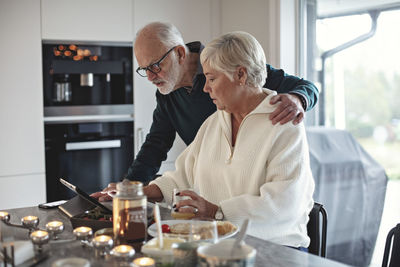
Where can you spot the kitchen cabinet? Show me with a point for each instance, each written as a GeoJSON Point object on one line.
{"type": "Point", "coordinates": [87, 20]}
{"type": "Point", "coordinates": [22, 179]}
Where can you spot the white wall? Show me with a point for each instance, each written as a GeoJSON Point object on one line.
{"type": "Point", "coordinates": [257, 17]}
{"type": "Point", "coordinates": [22, 179]}
{"type": "Point", "coordinates": [272, 23]}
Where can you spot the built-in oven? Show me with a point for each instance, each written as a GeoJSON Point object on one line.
{"type": "Point", "coordinates": [89, 154]}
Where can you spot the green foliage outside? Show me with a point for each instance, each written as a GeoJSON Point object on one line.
{"type": "Point", "coordinates": [369, 74]}
{"type": "Point", "coordinates": [373, 100]}
{"type": "Point", "coordinates": [388, 155]}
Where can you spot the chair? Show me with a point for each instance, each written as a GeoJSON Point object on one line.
{"type": "Point", "coordinates": [395, 255]}
{"type": "Point", "coordinates": [317, 240]}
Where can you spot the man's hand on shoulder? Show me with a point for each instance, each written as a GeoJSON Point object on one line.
{"type": "Point", "coordinates": [289, 109]}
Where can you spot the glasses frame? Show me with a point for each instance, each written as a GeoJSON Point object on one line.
{"type": "Point", "coordinates": [156, 64]}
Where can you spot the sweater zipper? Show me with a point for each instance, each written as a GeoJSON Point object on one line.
{"type": "Point", "coordinates": [229, 160]}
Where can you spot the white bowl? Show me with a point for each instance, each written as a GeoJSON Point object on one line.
{"type": "Point", "coordinates": [164, 255]}
{"type": "Point", "coordinates": [219, 254]}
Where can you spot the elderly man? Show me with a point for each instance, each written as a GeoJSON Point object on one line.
{"type": "Point", "coordinates": [182, 105]}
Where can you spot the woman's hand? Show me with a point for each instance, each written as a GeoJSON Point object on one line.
{"type": "Point", "coordinates": [106, 193]}
{"type": "Point", "coordinates": [152, 192]}
{"type": "Point", "coordinates": [289, 108]}
{"type": "Point", "coordinates": [197, 205]}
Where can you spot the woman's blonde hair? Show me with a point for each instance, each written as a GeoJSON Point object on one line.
{"type": "Point", "coordinates": [235, 49]}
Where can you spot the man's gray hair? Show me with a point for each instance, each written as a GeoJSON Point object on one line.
{"type": "Point", "coordinates": [235, 49]}
{"type": "Point", "coordinates": [166, 32]}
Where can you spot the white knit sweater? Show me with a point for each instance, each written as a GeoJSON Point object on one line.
{"type": "Point", "coordinates": [266, 177]}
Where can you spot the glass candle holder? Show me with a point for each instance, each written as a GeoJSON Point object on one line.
{"type": "Point", "coordinates": [55, 228]}
{"type": "Point", "coordinates": [4, 216]}
{"type": "Point", "coordinates": [102, 245]}
{"type": "Point", "coordinates": [30, 222]}
{"type": "Point", "coordinates": [123, 253]}
{"type": "Point", "coordinates": [83, 233]}
{"type": "Point", "coordinates": [144, 262]}
{"type": "Point", "coordinates": [39, 238]}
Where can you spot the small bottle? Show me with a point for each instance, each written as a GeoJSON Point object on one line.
{"type": "Point", "coordinates": [130, 214]}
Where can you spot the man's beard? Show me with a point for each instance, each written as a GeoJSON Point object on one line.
{"type": "Point", "coordinates": [169, 83]}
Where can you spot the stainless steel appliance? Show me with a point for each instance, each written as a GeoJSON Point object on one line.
{"type": "Point", "coordinates": [88, 115]}
{"type": "Point", "coordinates": [79, 75]}
{"type": "Point", "coordinates": [89, 155]}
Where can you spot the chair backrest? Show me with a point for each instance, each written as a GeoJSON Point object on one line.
{"type": "Point", "coordinates": [317, 236]}
{"type": "Point", "coordinates": [395, 255]}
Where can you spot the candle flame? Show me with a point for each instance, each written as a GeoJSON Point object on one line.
{"type": "Point", "coordinates": [30, 218]}
{"type": "Point", "coordinates": [102, 238]}
{"type": "Point", "coordinates": [40, 233]}
{"type": "Point", "coordinates": [55, 223]}
{"type": "Point", "coordinates": [83, 229]}
{"type": "Point", "coordinates": [144, 261]}
{"type": "Point", "coordinates": [123, 248]}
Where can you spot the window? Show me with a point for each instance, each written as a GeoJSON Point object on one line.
{"type": "Point", "coordinates": [353, 55]}
{"type": "Point", "coordinates": [356, 63]}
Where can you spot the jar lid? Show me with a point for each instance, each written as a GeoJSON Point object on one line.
{"type": "Point", "coordinates": [127, 187]}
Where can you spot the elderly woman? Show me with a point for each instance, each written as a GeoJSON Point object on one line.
{"type": "Point", "coordinates": [240, 166]}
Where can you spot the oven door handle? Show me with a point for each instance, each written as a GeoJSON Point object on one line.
{"type": "Point", "coordinates": [93, 145]}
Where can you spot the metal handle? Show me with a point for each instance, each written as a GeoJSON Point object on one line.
{"type": "Point", "coordinates": [87, 118]}
{"type": "Point", "coordinates": [93, 145]}
{"type": "Point", "coordinates": [140, 139]}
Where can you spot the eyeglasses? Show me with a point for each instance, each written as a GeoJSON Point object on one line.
{"type": "Point", "coordinates": [154, 67]}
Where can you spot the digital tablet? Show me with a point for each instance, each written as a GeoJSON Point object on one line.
{"type": "Point", "coordinates": [84, 195]}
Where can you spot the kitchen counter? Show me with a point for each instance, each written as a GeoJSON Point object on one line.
{"type": "Point", "coordinates": [268, 254]}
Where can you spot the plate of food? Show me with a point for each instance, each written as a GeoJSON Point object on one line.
{"type": "Point", "coordinates": [204, 229]}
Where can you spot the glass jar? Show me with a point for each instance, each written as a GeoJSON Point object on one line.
{"type": "Point", "coordinates": [130, 214]}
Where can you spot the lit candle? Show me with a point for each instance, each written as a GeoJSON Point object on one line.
{"type": "Point", "coordinates": [83, 233]}
{"type": "Point", "coordinates": [4, 216]}
{"type": "Point", "coordinates": [123, 252]}
{"type": "Point", "coordinates": [30, 222]}
{"type": "Point", "coordinates": [144, 262]}
{"type": "Point", "coordinates": [55, 228]}
{"type": "Point", "coordinates": [39, 237]}
{"type": "Point", "coordinates": [102, 244]}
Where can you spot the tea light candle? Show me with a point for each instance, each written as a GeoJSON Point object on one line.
{"type": "Point", "coordinates": [102, 244]}
{"type": "Point", "coordinates": [144, 262]}
{"type": "Point", "coordinates": [55, 228]}
{"type": "Point", "coordinates": [4, 216]}
{"type": "Point", "coordinates": [39, 237]}
{"type": "Point", "coordinates": [83, 233]}
{"type": "Point", "coordinates": [30, 222]}
{"type": "Point", "coordinates": [123, 252]}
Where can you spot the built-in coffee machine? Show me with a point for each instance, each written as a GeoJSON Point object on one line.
{"type": "Point", "coordinates": [88, 115]}
{"type": "Point", "coordinates": [87, 75]}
